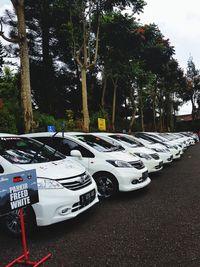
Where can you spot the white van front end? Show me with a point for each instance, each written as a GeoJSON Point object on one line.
{"type": "Point", "coordinates": [129, 171]}
{"type": "Point", "coordinates": [65, 188]}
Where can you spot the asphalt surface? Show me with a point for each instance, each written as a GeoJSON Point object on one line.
{"type": "Point", "coordinates": [158, 226]}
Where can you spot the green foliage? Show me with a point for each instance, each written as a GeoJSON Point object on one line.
{"type": "Point", "coordinates": [94, 119]}
{"type": "Point", "coordinates": [44, 120]}
{"type": "Point", "coordinates": [136, 57]}
{"type": "Point", "coordinates": [10, 113]}
{"type": "Point", "coordinates": [2, 55]}
{"type": "Point", "coordinates": [7, 121]}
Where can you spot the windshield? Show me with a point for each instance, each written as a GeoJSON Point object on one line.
{"type": "Point", "coordinates": [21, 150]}
{"type": "Point", "coordinates": [166, 136]}
{"type": "Point", "coordinates": [148, 142]}
{"type": "Point", "coordinates": [126, 140]}
{"type": "Point", "coordinates": [158, 138]}
{"type": "Point", "coordinates": [97, 143]}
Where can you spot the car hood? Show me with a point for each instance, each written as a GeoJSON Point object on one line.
{"type": "Point", "coordinates": [121, 155]}
{"type": "Point", "coordinates": [144, 150]}
{"type": "Point", "coordinates": [156, 145]}
{"type": "Point", "coordinates": [55, 169]}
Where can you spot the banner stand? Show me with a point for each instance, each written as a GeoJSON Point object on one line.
{"type": "Point", "coordinates": [24, 258]}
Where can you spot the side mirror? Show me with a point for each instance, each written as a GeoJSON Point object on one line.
{"type": "Point", "coordinates": [76, 153]}
{"type": "Point", "coordinates": [1, 169]}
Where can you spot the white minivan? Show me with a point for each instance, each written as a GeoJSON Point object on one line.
{"type": "Point", "coordinates": [149, 157]}
{"type": "Point", "coordinates": [65, 188]}
{"type": "Point", "coordinates": [112, 169]}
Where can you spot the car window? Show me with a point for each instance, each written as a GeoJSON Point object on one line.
{"type": "Point", "coordinates": [65, 146]}
{"type": "Point", "coordinates": [75, 146]}
{"type": "Point", "coordinates": [97, 143]}
{"type": "Point", "coordinates": [1, 169]}
{"type": "Point", "coordinates": [54, 142]}
{"type": "Point", "coordinates": [22, 150]}
{"type": "Point", "coordinates": [126, 140]}
{"type": "Point", "coordinates": [148, 138]}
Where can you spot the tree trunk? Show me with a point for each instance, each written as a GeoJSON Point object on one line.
{"type": "Point", "coordinates": [193, 108]}
{"type": "Point", "coordinates": [161, 122]}
{"type": "Point", "coordinates": [47, 68]}
{"type": "Point", "coordinates": [103, 91]}
{"type": "Point", "coordinates": [154, 106]}
{"type": "Point", "coordinates": [172, 122]}
{"type": "Point", "coordinates": [86, 118]}
{"type": "Point", "coordinates": [141, 110]}
{"type": "Point", "coordinates": [132, 121]}
{"type": "Point", "coordinates": [24, 65]}
{"type": "Point", "coordinates": [134, 108]}
{"type": "Point", "coordinates": [161, 128]}
{"type": "Point", "coordinates": [114, 104]}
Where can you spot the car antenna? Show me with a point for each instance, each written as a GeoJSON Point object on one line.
{"type": "Point", "coordinates": [62, 130]}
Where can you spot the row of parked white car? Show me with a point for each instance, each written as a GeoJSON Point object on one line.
{"type": "Point", "coordinates": [75, 169]}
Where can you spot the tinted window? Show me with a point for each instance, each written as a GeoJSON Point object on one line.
{"type": "Point", "coordinates": [22, 150]}
{"type": "Point", "coordinates": [126, 140]}
{"type": "Point", "coordinates": [54, 142]}
{"type": "Point", "coordinates": [97, 143]}
{"type": "Point", "coordinates": [1, 169]}
{"type": "Point", "coordinates": [65, 145]}
{"type": "Point", "coordinates": [145, 137]}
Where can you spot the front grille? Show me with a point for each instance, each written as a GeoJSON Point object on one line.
{"type": "Point", "coordinates": [170, 159]}
{"type": "Point", "coordinates": [83, 203]}
{"type": "Point", "coordinates": [155, 156]}
{"type": "Point", "coordinates": [159, 166]}
{"type": "Point", "coordinates": [145, 175]}
{"type": "Point", "coordinates": [137, 164]}
{"type": "Point", "coordinates": [141, 179]}
{"type": "Point", "coordinates": [77, 182]}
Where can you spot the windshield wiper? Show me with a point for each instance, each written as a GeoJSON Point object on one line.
{"type": "Point", "coordinates": [37, 153]}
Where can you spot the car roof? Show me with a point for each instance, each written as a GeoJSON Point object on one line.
{"type": "Point", "coordinates": [38, 134]}
{"type": "Point", "coordinates": [60, 134]}
{"type": "Point", "coordinates": [7, 134]}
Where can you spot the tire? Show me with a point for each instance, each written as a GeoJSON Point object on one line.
{"type": "Point", "coordinates": [106, 184]}
{"type": "Point", "coordinates": [12, 223]}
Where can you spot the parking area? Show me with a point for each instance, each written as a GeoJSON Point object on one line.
{"type": "Point", "coordinates": [156, 226]}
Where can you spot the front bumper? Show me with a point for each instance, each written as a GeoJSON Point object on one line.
{"type": "Point", "coordinates": [56, 205]}
{"type": "Point", "coordinates": [132, 179]}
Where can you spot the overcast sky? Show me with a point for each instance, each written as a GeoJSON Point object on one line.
{"type": "Point", "coordinates": [178, 20]}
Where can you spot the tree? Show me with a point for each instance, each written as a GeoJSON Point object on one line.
{"type": "Point", "coordinates": [50, 56]}
{"type": "Point", "coordinates": [118, 48]}
{"type": "Point", "coordinates": [21, 40]}
{"type": "Point", "coordinates": [86, 48]}
{"type": "Point", "coordinates": [9, 102]}
{"type": "Point", "coordinates": [193, 86]}
{"type": "Point", "coordinates": [156, 53]}
{"type": "Point", "coordinates": [2, 55]}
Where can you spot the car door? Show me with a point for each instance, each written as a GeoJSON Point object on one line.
{"type": "Point", "coordinates": [66, 145]}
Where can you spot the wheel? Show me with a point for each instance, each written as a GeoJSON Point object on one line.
{"type": "Point", "coordinates": [106, 184]}
{"type": "Point", "coordinates": [12, 221]}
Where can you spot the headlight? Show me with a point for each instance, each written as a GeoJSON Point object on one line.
{"type": "Point", "coordinates": [44, 183]}
{"type": "Point", "coordinates": [159, 150]}
{"type": "Point", "coordinates": [120, 163]}
{"type": "Point", "coordinates": [144, 156]}
{"type": "Point", "coordinates": [168, 146]}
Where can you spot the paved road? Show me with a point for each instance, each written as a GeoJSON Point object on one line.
{"type": "Point", "coordinates": [155, 227]}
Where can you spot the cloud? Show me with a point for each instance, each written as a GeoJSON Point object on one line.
{"type": "Point", "coordinates": [4, 7]}
{"type": "Point", "coordinates": [2, 13]}
{"type": "Point", "coordinates": [179, 21]}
